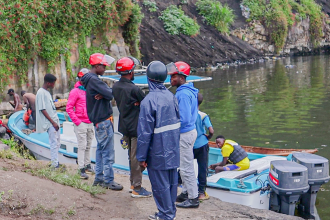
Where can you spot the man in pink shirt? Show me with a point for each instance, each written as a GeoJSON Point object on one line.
{"type": "Point", "coordinates": [83, 127]}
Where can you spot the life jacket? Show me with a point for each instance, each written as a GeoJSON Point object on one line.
{"type": "Point", "coordinates": [26, 117]}
{"type": "Point", "coordinates": [238, 154]}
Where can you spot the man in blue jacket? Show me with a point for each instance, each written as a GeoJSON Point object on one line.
{"type": "Point", "coordinates": [99, 110]}
{"type": "Point", "coordinates": [158, 141]}
{"type": "Point", "coordinates": [186, 94]}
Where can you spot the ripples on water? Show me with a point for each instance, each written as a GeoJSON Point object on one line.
{"type": "Point", "coordinates": [269, 105]}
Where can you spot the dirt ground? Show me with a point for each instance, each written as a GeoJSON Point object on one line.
{"type": "Point", "coordinates": [30, 197]}
{"type": "Point", "coordinates": [208, 47]}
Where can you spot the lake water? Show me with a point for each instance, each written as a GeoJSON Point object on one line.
{"type": "Point", "coordinates": [269, 105]}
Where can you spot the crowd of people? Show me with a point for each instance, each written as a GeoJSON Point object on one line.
{"type": "Point", "coordinates": [163, 132]}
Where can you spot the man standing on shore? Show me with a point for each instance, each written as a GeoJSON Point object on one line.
{"type": "Point", "coordinates": [99, 110]}
{"type": "Point", "coordinates": [158, 141]}
{"type": "Point", "coordinates": [46, 117]}
{"type": "Point", "coordinates": [17, 105]}
{"type": "Point", "coordinates": [186, 94]}
{"type": "Point", "coordinates": [128, 98]}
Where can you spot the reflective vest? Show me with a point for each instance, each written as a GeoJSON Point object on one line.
{"type": "Point", "coordinates": [238, 154]}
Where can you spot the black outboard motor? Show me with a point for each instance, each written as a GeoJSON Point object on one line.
{"type": "Point", "coordinates": [288, 181]}
{"type": "Point", "coordinates": [318, 174]}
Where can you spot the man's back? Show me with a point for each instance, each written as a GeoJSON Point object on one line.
{"type": "Point", "coordinates": [128, 97]}
{"type": "Point", "coordinates": [158, 129]}
{"type": "Point", "coordinates": [31, 98]}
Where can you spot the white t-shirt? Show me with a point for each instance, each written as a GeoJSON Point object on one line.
{"type": "Point", "coordinates": [44, 101]}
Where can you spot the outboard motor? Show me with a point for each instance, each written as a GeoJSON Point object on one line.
{"type": "Point", "coordinates": [318, 174]}
{"type": "Point", "coordinates": [288, 181]}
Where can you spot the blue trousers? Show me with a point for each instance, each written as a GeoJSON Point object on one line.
{"type": "Point", "coordinates": [202, 156]}
{"type": "Point", "coordinates": [164, 185]}
{"type": "Point", "coordinates": [105, 152]}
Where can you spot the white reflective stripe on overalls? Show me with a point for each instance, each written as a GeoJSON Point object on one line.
{"type": "Point", "coordinates": [167, 128]}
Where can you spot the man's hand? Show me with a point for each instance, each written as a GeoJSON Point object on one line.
{"type": "Point", "coordinates": [98, 97]}
{"type": "Point", "coordinates": [213, 166]}
{"type": "Point", "coordinates": [143, 164]}
{"type": "Point", "coordinates": [55, 126]}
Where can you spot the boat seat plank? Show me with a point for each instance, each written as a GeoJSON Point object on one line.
{"type": "Point", "coordinates": [256, 167]}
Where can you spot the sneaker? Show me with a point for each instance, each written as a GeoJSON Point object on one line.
{"type": "Point", "coordinates": [98, 183]}
{"type": "Point", "coordinates": [189, 203]}
{"type": "Point", "coordinates": [113, 186]}
{"type": "Point", "coordinates": [154, 217]}
{"type": "Point", "coordinates": [203, 196]}
{"type": "Point", "coordinates": [83, 174]}
{"type": "Point", "coordinates": [182, 197]}
{"type": "Point", "coordinates": [89, 169]}
{"type": "Point", "coordinates": [131, 189]}
{"type": "Point", "coordinates": [141, 193]}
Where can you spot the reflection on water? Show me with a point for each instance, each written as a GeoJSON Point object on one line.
{"type": "Point", "coordinates": [269, 105]}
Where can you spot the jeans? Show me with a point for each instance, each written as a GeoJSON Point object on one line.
{"type": "Point", "coordinates": [134, 165]}
{"type": "Point", "coordinates": [84, 133]}
{"type": "Point", "coordinates": [105, 152]}
{"type": "Point", "coordinates": [187, 172]}
{"type": "Point", "coordinates": [54, 143]}
{"type": "Point", "coordinates": [164, 185]}
{"type": "Point", "coordinates": [202, 156]}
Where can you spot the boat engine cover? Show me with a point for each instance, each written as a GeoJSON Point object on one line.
{"type": "Point", "coordinates": [288, 178]}
{"type": "Point", "coordinates": [318, 167]}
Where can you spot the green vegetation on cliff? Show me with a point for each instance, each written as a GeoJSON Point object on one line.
{"type": "Point", "coordinates": [45, 28]}
{"type": "Point", "coordinates": [279, 15]}
{"type": "Point", "coordinates": [221, 17]}
{"type": "Point", "coordinates": [176, 22]}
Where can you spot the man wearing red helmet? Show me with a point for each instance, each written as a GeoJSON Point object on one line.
{"type": "Point", "coordinates": [128, 97]}
{"type": "Point", "coordinates": [99, 110]}
{"type": "Point", "coordinates": [186, 94]}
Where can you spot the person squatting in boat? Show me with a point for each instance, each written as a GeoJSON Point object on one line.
{"type": "Point", "coordinates": [234, 156]}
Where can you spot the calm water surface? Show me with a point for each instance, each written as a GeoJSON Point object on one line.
{"type": "Point", "coordinates": [269, 105]}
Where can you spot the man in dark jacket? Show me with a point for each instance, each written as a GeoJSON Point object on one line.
{"type": "Point", "coordinates": [158, 141]}
{"type": "Point", "coordinates": [128, 98]}
{"type": "Point", "coordinates": [99, 110]}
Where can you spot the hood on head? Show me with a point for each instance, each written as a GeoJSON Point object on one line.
{"type": "Point", "coordinates": [77, 84]}
{"type": "Point", "coordinates": [189, 86]}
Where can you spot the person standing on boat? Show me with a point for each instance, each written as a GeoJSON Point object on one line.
{"type": "Point", "coordinates": [46, 117]}
{"type": "Point", "coordinates": [83, 127]}
{"type": "Point", "coordinates": [17, 105]}
{"type": "Point", "coordinates": [30, 100]}
{"type": "Point", "coordinates": [99, 110]}
{"type": "Point", "coordinates": [158, 141]}
{"type": "Point", "coordinates": [186, 94]}
{"type": "Point", "coordinates": [234, 156]}
{"type": "Point", "coordinates": [128, 98]}
{"type": "Point", "coordinates": [201, 148]}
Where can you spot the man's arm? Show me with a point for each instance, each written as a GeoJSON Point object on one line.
{"type": "Point", "coordinates": [207, 123]}
{"type": "Point", "coordinates": [185, 110]}
{"type": "Point", "coordinates": [26, 101]}
{"type": "Point", "coordinates": [101, 88]}
{"type": "Point", "coordinates": [49, 119]}
{"type": "Point", "coordinates": [145, 131]}
{"type": "Point", "coordinates": [16, 98]}
{"type": "Point", "coordinates": [73, 97]}
{"type": "Point", "coordinates": [139, 94]}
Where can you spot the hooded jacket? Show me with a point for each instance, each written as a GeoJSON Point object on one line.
{"type": "Point", "coordinates": [77, 100]}
{"type": "Point", "coordinates": [159, 129]}
{"type": "Point", "coordinates": [188, 105]}
{"type": "Point", "coordinates": [97, 110]}
{"type": "Point", "coordinates": [127, 95]}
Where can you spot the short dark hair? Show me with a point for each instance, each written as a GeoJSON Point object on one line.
{"type": "Point", "coordinates": [199, 98]}
{"type": "Point", "coordinates": [23, 92]}
{"type": "Point", "coordinates": [50, 78]}
{"type": "Point", "coordinates": [220, 137]}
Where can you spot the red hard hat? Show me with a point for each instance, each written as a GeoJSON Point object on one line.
{"type": "Point", "coordinates": [125, 65]}
{"type": "Point", "coordinates": [178, 68]}
{"type": "Point", "coordinates": [98, 58]}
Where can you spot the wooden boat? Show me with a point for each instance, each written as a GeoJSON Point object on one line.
{"type": "Point", "coordinates": [270, 151]}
